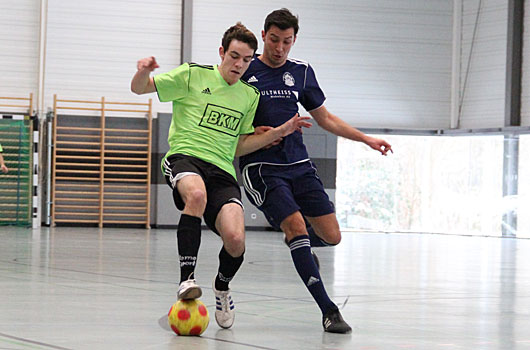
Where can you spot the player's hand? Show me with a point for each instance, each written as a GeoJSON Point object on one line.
{"type": "Point", "coordinates": [148, 63]}
{"type": "Point", "coordinates": [263, 129]}
{"type": "Point", "coordinates": [300, 130]}
{"type": "Point", "coordinates": [379, 145]}
{"type": "Point", "coordinates": [296, 123]}
{"type": "Point", "coordinates": [4, 169]}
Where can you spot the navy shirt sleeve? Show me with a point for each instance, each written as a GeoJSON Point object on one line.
{"type": "Point", "coordinates": [312, 97]}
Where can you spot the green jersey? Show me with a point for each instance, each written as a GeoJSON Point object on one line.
{"type": "Point", "coordinates": [208, 114]}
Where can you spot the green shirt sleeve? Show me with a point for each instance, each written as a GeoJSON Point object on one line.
{"type": "Point", "coordinates": [247, 127]}
{"type": "Point", "coordinates": [1, 149]}
{"type": "Point", "coordinates": [173, 85]}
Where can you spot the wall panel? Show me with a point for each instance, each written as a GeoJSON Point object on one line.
{"type": "Point", "coordinates": [380, 63]}
{"type": "Point", "coordinates": [484, 92]}
{"type": "Point", "coordinates": [19, 47]}
{"type": "Point", "coordinates": [93, 46]}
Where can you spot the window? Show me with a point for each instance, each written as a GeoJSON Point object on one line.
{"type": "Point", "coordinates": [523, 200]}
{"type": "Point", "coordinates": [431, 184]}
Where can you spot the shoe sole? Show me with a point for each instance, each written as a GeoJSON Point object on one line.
{"type": "Point", "coordinates": [190, 293]}
{"type": "Point", "coordinates": [223, 326]}
{"type": "Point", "coordinates": [339, 331]}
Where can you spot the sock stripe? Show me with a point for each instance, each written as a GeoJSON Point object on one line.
{"type": "Point", "coordinates": [300, 243]}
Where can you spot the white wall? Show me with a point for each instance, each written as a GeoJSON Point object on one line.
{"type": "Point", "coordinates": [19, 47]}
{"type": "Point", "coordinates": [484, 94]}
{"type": "Point", "coordinates": [93, 46]}
{"type": "Point", "coordinates": [381, 64]}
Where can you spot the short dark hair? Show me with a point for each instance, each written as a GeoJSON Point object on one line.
{"type": "Point", "coordinates": [283, 19]}
{"type": "Point", "coordinates": [241, 33]}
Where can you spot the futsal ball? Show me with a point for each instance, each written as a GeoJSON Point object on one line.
{"type": "Point", "coordinates": [188, 317]}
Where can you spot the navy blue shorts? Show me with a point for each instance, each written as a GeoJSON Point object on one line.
{"type": "Point", "coordinates": [281, 190]}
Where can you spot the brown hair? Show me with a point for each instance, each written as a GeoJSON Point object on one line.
{"type": "Point", "coordinates": [283, 19]}
{"type": "Point", "coordinates": [241, 33]}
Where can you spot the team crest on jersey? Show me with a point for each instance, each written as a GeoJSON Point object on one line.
{"type": "Point", "coordinates": [221, 119]}
{"type": "Point", "coordinates": [288, 79]}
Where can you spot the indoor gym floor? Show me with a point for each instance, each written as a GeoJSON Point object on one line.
{"type": "Point", "coordinates": [89, 288]}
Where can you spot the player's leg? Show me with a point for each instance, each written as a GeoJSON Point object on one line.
{"type": "Point", "coordinates": [313, 238]}
{"type": "Point", "coordinates": [310, 195]}
{"type": "Point", "coordinates": [328, 240]}
{"type": "Point", "coordinates": [294, 228]}
{"type": "Point", "coordinates": [269, 188]}
{"type": "Point", "coordinates": [326, 230]}
{"type": "Point", "coordinates": [281, 207]}
{"type": "Point", "coordinates": [224, 215]}
{"type": "Point", "coordinates": [316, 207]}
{"type": "Point", "coordinates": [189, 195]}
{"type": "Point", "coordinates": [230, 224]}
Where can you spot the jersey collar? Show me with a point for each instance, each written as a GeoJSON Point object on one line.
{"type": "Point", "coordinates": [221, 79]}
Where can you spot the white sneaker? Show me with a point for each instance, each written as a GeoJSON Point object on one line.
{"type": "Point", "coordinates": [224, 308]}
{"type": "Point", "coordinates": [189, 290]}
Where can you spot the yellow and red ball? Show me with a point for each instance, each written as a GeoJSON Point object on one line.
{"type": "Point", "coordinates": [188, 317]}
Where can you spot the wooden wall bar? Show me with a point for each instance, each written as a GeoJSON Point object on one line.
{"type": "Point", "coordinates": [101, 175]}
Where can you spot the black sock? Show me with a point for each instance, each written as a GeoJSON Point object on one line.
{"type": "Point", "coordinates": [308, 271]}
{"type": "Point", "coordinates": [228, 266]}
{"type": "Point", "coordinates": [188, 242]}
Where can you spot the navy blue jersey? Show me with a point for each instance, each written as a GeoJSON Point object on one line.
{"type": "Point", "coordinates": [280, 91]}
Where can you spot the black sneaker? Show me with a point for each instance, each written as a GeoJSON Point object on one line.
{"type": "Point", "coordinates": [315, 257]}
{"type": "Point", "coordinates": [334, 323]}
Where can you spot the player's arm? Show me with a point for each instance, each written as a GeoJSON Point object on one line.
{"type": "Point", "coordinates": [142, 82]}
{"type": "Point", "coordinates": [263, 128]}
{"type": "Point", "coordinates": [3, 166]}
{"type": "Point", "coordinates": [252, 142]}
{"type": "Point", "coordinates": [330, 122]}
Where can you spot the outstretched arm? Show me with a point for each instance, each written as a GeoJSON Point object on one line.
{"type": "Point", "coordinates": [142, 83]}
{"type": "Point", "coordinates": [250, 143]}
{"type": "Point", "coordinates": [330, 122]}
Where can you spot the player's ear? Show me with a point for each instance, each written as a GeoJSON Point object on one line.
{"type": "Point", "coordinates": [221, 53]}
{"type": "Point", "coordinates": [263, 35]}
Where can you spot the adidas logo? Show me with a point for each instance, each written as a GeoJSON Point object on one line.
{"type": "Point", "coordinates": [312, 280]}
{"type": "Point", "coordinates": [252, 79]}
{"type": "Point", "coordinates": [206, 91]}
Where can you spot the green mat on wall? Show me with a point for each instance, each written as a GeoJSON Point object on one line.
{"type": "Point", "coordinates": [16, 185]}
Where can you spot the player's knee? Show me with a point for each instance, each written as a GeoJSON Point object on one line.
{"type": "Point", "coordinates": [234, 242]}
{"type": "Point", "coordinates": [331, 238]}
{"type": "Point", "coordinates": [293, 228]}
{"type": "Point", "coordinates": [334, 239]}
{"type": "Point", "coordinates": [196, 199]}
